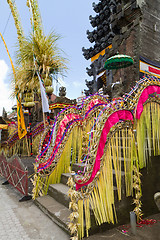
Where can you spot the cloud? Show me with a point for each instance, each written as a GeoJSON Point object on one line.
{"type": "Point", "coordinates": [77, 84]}
{"type": "Point", "coordinates": [4, 88]}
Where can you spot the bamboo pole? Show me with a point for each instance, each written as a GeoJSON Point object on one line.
{"type": "Point", "coordinates": [27, 146]}
{"type": "Point", "coordinates": [44, 120]}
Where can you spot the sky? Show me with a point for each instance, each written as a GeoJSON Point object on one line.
{"type": "Point", "coordinates": [69, 19]}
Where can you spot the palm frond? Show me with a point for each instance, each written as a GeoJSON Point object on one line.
{"type": "Point", "coordinates": [41, 53]}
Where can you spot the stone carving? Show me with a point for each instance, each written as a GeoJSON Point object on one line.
{"type": "Point", "coordinates": [62, 91]}
{"type": "Point", "coordinates": [4, 113]}
{"type": "Point", "coordinates": [89, 71]}
{"type": "Point", "coordinates": [114, 90]}
{"type": "Point", "coordinates": [107, 91]}
{"type": "Point", "coordinates": [117, 90]}
{"type": "Point", "coordinates": [90, 85]}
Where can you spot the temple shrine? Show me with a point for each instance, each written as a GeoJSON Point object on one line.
{"type": "Point", "coordinates": [122, 27]}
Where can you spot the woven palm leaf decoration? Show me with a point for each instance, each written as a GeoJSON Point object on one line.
{"type": "Point", "coordinates": [102, 135]}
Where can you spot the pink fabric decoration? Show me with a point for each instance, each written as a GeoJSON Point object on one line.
{"type": "Point", "coordinates": [68, 118]}
{"type": "Point", "coordinates": [111, 121]}
{"type": "Point", "coordinates": [94, 102]}
{"type": "Point", "coordinates": [143, 98]}
{"type": "Point", "coordinates": [63, 124]}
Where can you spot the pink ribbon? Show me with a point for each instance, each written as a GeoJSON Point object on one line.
{"type": "Point", "coordinates": [143, 98]}
{"type": "Point", "coordinates": [94, 102]}
{"type": "Point", "coordinates": [111, 121]}
{"type": "Point", "coordinates": [63, 124]}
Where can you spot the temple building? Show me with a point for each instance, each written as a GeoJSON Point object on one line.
{"type": "Point", "coordinates": [130, 27]}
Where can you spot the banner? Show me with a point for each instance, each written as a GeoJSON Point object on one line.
{"type": "Point", "coordinates": [45, 105]}
{"type": "Point", "coordinates": [20, 119]}
{"type": "Point", "coordinates": [149, 67]}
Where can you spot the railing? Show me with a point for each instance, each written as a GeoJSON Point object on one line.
{"type": "Point", "coordinates": [15, 173]}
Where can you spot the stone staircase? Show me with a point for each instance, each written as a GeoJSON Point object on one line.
{"type": "Point", "coordinates": [56, 203]}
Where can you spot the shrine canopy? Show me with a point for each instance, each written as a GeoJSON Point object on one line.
{"type": "Point", "coordinates": [118, 61]}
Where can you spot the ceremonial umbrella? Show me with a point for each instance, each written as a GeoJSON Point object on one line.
{"type": "Point", "coordinates": [118, 61]}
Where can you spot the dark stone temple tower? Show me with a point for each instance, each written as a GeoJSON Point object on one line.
{"type": "Point", "coordinates": [130, 27]}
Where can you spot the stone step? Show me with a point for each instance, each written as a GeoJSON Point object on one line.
{"type": "Point", "coordinates": [57, 212]}
{"type": "Point", "coordinates": [122, 177]}
{"type": "Point", "coordinates": [119, 172]}
{"type": "Point", "coordinates": [65, 177]}
{"type": "Point", "coordinates": [59, 192]}
{"type": "Point", "coordinates": [122, 159]}
{"type": "Point", "coordinates": [78, 167]}
{"type": "Point", "coordinates": [114, 188]}
{"type": "Point", "coordinates": [127, 160]}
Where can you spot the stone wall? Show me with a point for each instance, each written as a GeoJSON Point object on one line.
{"type": "Point", "coordinates": [129, 45]}
{"type": "Point", "coordinates": [127, 42]}
{"type": "Point", "coordinates": [150, 30]}
{"type": "Point", "coordinates": [150, 185]}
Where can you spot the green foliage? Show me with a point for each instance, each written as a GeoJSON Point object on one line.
{"type": "Point", "coordinates": [38, 53]}
{"type": "Point", "coordinates": [35, 52]}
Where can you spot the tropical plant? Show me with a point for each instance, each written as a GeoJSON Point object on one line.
{"type": "Point", "coordinates": [36, 52]}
